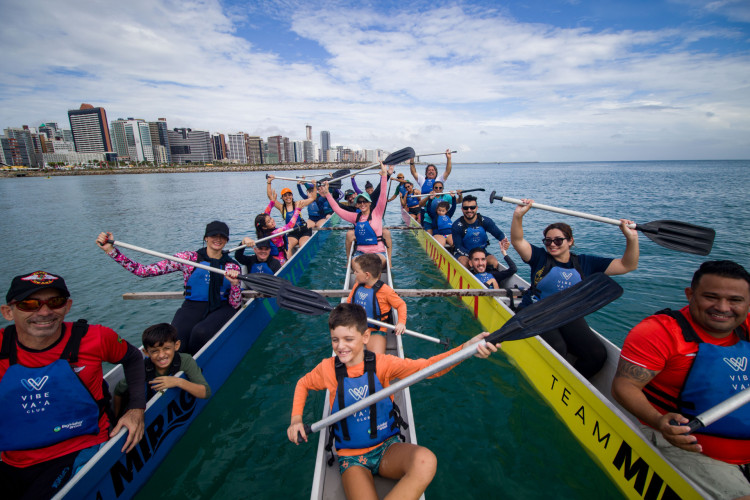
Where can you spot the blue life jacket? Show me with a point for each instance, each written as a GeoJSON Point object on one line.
{"type": "Point", "coordinates": [313, 210]}
{"type": "Point", "coordinates": [364, 234]}
{"type": "Point", "coordinates": [45, 405]}
{"type": "Point", "coordinates": [288, 217]}
{"type": "Point", "coordinates": [411, 200]}
{"type": "Point", "coordinates": [261, 267]}
{"type": "Point", "coordinates": [552, 278]}
{"type": "Point", "coordinates": [475, 237]}
{"type": "Point", "coordinates": [427, 186]}
{"type": "Point", "coordinates": [484, 278]}
{"type": "Point", "coordinates": [368, 427]}
{"type": "Point", "coordinates": [443, 225]}
{"type": "Point", "coordinates": [717, 373]}
{"type": "Point", "coordinates": [433, 207]}
{"type": "Point", "coordinates": [325, 207]}
{"type": "Point", "coordinates": [367, 298]}
{"type": "Point", "coordinates": [196, 288]}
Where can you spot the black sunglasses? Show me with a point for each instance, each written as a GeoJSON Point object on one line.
{"type": "Point", "coordinates": [464, 207]}
{"type": "Point", "coordinates": [557, 241]}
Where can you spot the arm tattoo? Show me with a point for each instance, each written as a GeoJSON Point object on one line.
{"type": "Point", "coordinates": [633, 372]}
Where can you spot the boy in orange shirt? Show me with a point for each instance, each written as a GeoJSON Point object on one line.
{"type": "Point", "coordinates": [367, 268]}
{"type": "Point", "coordinates": [366, 448]}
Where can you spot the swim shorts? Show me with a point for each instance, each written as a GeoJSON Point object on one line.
{"type": "Point", "coordinates": [370, 460]}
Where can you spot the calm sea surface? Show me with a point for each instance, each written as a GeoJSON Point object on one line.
{"type": "Point", "coordinates": [492, 434]}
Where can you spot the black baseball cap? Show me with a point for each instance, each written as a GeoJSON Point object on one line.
{"type": "Point", "coordinates": [217, 227]}
{"type": "Point", "coordinates": [24, 285]}
{"type": "Point", "coordinates": [263, 244]}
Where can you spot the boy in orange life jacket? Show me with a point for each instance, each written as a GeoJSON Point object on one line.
{"type": "Point", "coordinates": [367, 268]}
{"type": "Point", "coordinates": [361, 452]}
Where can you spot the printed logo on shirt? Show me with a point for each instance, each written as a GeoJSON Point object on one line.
{"type": "Point", "coordinates": [359, 393]}
{"type": "Point", "coordinates": [78, 369]}
{"type": "Point", "coordinates": [34, 384]}
{"type": "Point", "coordinates": [737, 364]}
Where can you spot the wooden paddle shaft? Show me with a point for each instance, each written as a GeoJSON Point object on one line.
{"type": "Point", "coordinates": [563, 211]}
{"type": "Point", "coordinates": [168, 257]}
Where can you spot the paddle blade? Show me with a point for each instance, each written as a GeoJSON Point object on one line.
{"type": "Point", "coordinates": [340, 173]}
{"type": "Point", "coordinates": [583, 298]}
{"type": "Point", "coordinates": [679, 236]}
{"type": "Point", "coordinates": [267, 284]}
{"type": "Point", "coordinates": [400, 156]}
{"type": "Point", "coordinates": [302, 300]}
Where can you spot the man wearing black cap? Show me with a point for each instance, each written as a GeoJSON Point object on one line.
{"type": "Point", "coordinates": [55, 403]}
{"type": "Point", "coordinates": [261, 262]}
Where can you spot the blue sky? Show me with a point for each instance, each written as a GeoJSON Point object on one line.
{"type": "Point", "coordinates": [528, 80]}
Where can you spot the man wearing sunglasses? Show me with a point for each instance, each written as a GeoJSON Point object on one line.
{"type": "Point", "coordinates": [470, 232]}
{"type": "Point", "coordinates": [55, 402]}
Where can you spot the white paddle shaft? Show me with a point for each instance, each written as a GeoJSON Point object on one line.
{"type": "Point", "coordinates": [169, 257]}
{"type": "Point", "coordinates": [724, 408]}
{"type": "Point", "coordinates": [564, 211]}
{"type": "Point", "coordinates": [262, 239]}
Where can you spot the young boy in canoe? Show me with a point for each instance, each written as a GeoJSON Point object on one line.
{"type": "Point", "coordinates": [363, 451]}
{"type": "Point", "coordinates": [377, 298]}
{"type": "Point", "coordinates": [160, 344]}
{"type": "Point", "coordinates": [442, 225]}
{"type": "Point", "coordinates": [261, 261]}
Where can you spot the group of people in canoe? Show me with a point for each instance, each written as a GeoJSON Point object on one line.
{"type": "Point", "coordinates": [673, 364]}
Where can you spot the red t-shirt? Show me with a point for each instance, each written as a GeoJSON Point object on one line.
{"type": "Point", "coordinates": [657, 344]}
{"type": "Point", "coordinates": [99, 344]}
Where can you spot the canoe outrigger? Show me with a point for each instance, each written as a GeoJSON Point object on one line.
{"type": "Point", "coordinates": [110, 474]}
{"type": "Point", "coordinates": [327, 478]}
{"type": "Point", "coordinates": [602, 426]}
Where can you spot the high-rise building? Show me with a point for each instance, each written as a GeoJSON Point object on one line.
{"type": "Point", "coordinates": [276, 149]}
{"type": "Point", "coordinates": [160, 137]}
{"type": "Point", "coordinates": [220, 146]}
{"type": "Point", "coordinates": [308, 133]}
{"type": "Point", "coordinates": [255, 150]}
{"type": "Point", "coordinates": [89, 127]}
{"type": "Point", "coordinates": [50, 129]}
{"type": "Point", "coordinates": [190, 146]}
{"type": "Point", "coordinates": [9, 154]}
{"type": "Point", "coordinates": [236, 150]}
{"type": "Point", "coordinates": [132, 140]}
{"type": "Point", "coordinates": [325, 141]}
{"type": "Point", "coordinates": [24, 145]}
{"type": "Point", "coordinates": [307, 152]}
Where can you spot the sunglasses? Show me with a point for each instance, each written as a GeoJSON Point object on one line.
{"type": "Point", "coordinates": [557, 241]}
{"type": "Point", "coordinates": [33, 305]}
{"type": "Point", "coordinates": [438, 188]}
{"type": "Point", "coordinates": [361, 201]}
{"type": "Point", "coordinates": [473, 207]}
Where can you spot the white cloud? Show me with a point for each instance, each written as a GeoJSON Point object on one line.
{"type": "Point", "coordinates": [504, 90]}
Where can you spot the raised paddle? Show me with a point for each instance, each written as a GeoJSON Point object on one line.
{"type": "Point", "coordinates": [335, 174]}
{"type": "Point", "coordinates": [462, 192]}
{"type": "Point", "coordinates": [434, 154]}
{"type": "Point", "coordinates": [719, 411]}
{"type": "Point", "coordinates": [399, 156]}
{"type": "Point", "coordinates": [311, 303]}
{"type": "Point", "coordinates": [671, 234]}
{"type": "Point", "coordinates": [260, 240]}
{"type": "Point", "coordinates": [583, 298]}
{"type": "Point", "coordinates": [264, 283]}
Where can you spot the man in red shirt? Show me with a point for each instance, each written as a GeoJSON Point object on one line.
{"type": "Point", "coordinates": [678, 363]}
{"type": "Point", "coordinates": [54, 406]}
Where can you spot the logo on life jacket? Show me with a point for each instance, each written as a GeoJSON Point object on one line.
{"type": "Point", "coordinates": [362, 295]}
{"type": "Point", "coordinates": [34, 384]}
{"type": "Point", "coordinates": [359, 393]}
{"type": "Point", "coordinates": [567, 276]}
{"type": "Point", "coordinates": [737, 364]}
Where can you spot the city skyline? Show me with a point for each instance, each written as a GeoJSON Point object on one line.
{"type": "Point", "coordinates": [540, 80]}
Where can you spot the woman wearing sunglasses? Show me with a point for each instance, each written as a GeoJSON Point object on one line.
{"type": "Point", "coordinates": [287, 206]}
{"type": "Point", "coordinates": [210, 298]}
{"type": "Point", "coordinates": [556, 269]}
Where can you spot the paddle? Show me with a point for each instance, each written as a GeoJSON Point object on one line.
{"type": "Point", "coordinates": [463, 191]}
{"type": "Point", "coordinates": [335, 174]}
{"type": "Point", "coordinates": [672, 234]}
{"type": "Point", "coordinates": [434, 154]}
{"type": "Point", "coordinates": [583, 298]}
{"type": "Point", "coordinates": [399, 156]}
{"type": "Point", "coordinates": [721, 410]}
{"type": "Point", "coordinates": [260, 240]}
{"type": "Point", "coordinates": [311, 303]}
{"type": "Point", "coordinates": [264, 283]}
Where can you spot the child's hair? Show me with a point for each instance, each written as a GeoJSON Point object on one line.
{"type": "Point", "coordinates": [477, 250]}
{"type": "Point", "coordinates": [370, 263]}
{"type": "Point", "coordinates": [260, 225]}
{"type": "Point", "coordinates": [346, 314]}
{"type": "Point", "coordinates": [444, 204]}
{"type": "Point", "coordinates": [158, 334]}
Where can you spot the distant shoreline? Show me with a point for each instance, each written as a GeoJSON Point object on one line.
{"type": "Point", "coordinates": [182, 169]}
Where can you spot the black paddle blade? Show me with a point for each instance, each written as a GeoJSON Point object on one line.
{"type": "Point", "coordinates": [400, 156]}
{"type": "Point", "coordinates": [267, 284]}
{"type": "Point", "coordinates": [340, 173]}
{"type": "Point", "coordinates": [583, 298]}
{"type": "Point", "coordinates": [679, 236]}
{"type": "Point", "coordinates": [302, 300]}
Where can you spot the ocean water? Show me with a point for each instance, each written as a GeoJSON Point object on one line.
{"type": "Point", "coordinates": [492, 435]}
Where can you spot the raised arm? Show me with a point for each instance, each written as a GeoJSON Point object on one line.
{"type": "Point", "coordinates": [629, 260]}
{"type": "Point", "coordinates": [448, 164]}
{"type": "Point", "coordinates": [272, 194]}
{"type": "Point", "coordinates": [413, 170]}
{"type": "Point", "coordinates": [522, 246]}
